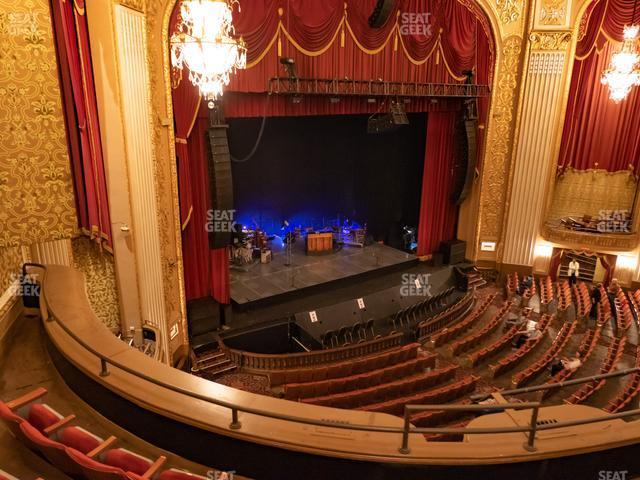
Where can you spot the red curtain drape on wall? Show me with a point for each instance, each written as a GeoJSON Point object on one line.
{"type": "Point", "coordinates": [206, 270]}
{"type": "Point", "coordinates": [81, 115]}
{"type": "Point", "coordinates": [438, 215]}
{"type": "Point", "coordinates": [599, 133]}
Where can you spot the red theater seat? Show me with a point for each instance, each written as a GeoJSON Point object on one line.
{"type": "Point", "coordinates": [94, 470]}
{"type": "Point", "coordinates": [132, 462]}
{"type": "Point", "coordinates": [79, 439]}
{"type": "Point", "coordinates": [56, 453]}
{"type": "Point", "coordinates": [42, 416]}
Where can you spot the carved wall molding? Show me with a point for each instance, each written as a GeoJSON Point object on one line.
{"type": "Point", "coordinates": [550, 40]}
{"type": "Point", "coordinates": [509, 10]}
{"type": "Point", "coordinates": [553, 12]}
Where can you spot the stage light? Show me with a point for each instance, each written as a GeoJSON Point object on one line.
{"type": "Point", "coordinates": [290, 67]}
{"type": "Point", "coordinates": [334, 99]}
{"type": "Point", "coordinates": [372, 100]}
{"type": "Point", "coordinates": [296, 99]}
{"type": "Point", "coordinates": [204, 43]}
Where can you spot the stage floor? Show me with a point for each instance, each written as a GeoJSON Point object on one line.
{"type": "Point", "coordinates": [259, 282]}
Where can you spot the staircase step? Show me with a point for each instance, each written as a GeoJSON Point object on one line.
{"type": "Point", "coordinates": [221, 371]}
{"type": "Point", "coordinates": [211, 356]}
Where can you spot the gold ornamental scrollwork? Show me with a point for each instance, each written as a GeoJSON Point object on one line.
{"type": "Point", "coordinates": [501, 131]}
{"type": "Point", "coordinates": [509, 10]}
{"type": "Point", "coordinates": [550, 40]}
{"type": "Point", "coordinates": [596, 241]}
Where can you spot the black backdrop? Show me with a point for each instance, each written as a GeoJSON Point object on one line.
{"type": "Point", "coordinates": [311, 170]}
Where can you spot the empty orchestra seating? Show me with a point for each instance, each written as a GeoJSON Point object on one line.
{"type": "Point", "coordinates": [624, 317]}
{"type": "Point", "coordinates": [561, 340]}
{"type": "Point", "coordinates": [529, 293]}
{"type": "Point", "coordinates": [512, 284]}
{"type": "Point", "coordinates": [506, 364]}
{"type": "Point", "coordinates": [634, 300]}
{"type": "Point", "coordinates": [564, 298]}
{"type": "Point", "coordinates": [387, 391]}
{"type": "Point", "coordinates": [462, 326]}
{"type": "Point", "coordinates": [616, 349]}
{"type": "Point", "coordinates": [444, 394]}
{"type": "Point", "coordinates": [604, 307]}
{"type": "Point", "coordinates": [75, 451]}
{"type": "Point", "coordinates": [345, 368]}
{"type": "Point", "coordinates": [380, 375]}
{"type": "Point", "coordinates": [583, 300]}
{"type": "Point", "coordinates": [628, 393]}
{"type": "Point", "coordinates": [417, 312]}
{"type": "Point", "coordinates": [475, 338]}
{"type": "Point", "coordinates": [546, 293]}
{"type": "Point", "coordinates": [431, 325]}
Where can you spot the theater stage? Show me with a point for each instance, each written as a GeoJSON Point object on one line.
{"type": "Point", "coordinates": [264, 283]}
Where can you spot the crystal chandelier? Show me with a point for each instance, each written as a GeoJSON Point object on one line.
{"type": "Point", "coordinates": [623, 73]}
{"type": "Point", "coordinates": [205, 43]}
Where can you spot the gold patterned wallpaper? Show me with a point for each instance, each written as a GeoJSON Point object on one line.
{"type": "Point", "coordinates": [10, 263]}
{"type": "Point", "coordinates": [36, 195]}
{"type": "Point", "coordinates": [99, 270]}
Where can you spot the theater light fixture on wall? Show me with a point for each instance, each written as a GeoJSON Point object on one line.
{"type": "Point", "coordinates": [204, 43]}
{"type": "Point", "coordinates": [624, 73]}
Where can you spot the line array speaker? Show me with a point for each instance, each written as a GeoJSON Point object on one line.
{"type": "Point", "coordinates": [220, 184]}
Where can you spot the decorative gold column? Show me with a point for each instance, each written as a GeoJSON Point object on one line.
{"type": "Point", "coordinates": [535, 148]}
{"type": "Point", "coordinates": [130, 26]}
{"type": "Point", "coordinates": [57, 252]}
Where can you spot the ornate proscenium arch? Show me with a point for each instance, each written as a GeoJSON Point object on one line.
{"type": "Point", "coordinates": [158, 14]}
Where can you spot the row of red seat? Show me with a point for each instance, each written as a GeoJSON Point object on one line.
{"type": "Point", "coordinates": [604, 307]}
{"type": "Point", "coordinates": [444, 394]}
{"type": "Point", "coordinates": [546, 291]}
{"type": "Point", "coordinates": [346, 368]}
{"type": "Point", "coordinates": [529, 292]}
{"type": "Point", "coordinates": [585, 349]}
{"type": "Point", "coordinates": [297, 391]}
{"type": "Point", "coordinates": [447, 437]}
{"type": "Point", "coordinates": [616, 349]}
{"type": "Point", "coordinates": [431, 325]}
{"type": "Point", "coordinates": [503, 342]}
{"type": "Point", "coordinates": [447, 334]}
{"type": "Point", "coordinates": [628, 393]}
{"type": "Point", "coordinates": [75, 451]}
{"type": "Point", "coordinates": [512, 284]}
{"type": "Point", "coordinates": [512, 360]}
{"type": "Point", "coordinates": [561, 340]}
{"type": "Point", "coordinates": [564, 295]}
{"type": "Point", "coordinates": [624, 317]}
{"type": "Point", "coordinates": [381, 393]}
{"type": "Point", "coordinates": [432, 418]}
{"type": "Point", "coordinates": [583, 299]}
{"type": "Point", "coordinates": [634, 300]}
{"type": "Point", "coordinates": [475, 338]}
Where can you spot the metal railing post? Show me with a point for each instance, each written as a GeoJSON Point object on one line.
{"type": "Point", "coordinates": [235, 423]}
{"type": "Point", "coordinates": [530, 445]}
{"type": "Point", "coordinates": [404, 449]}
{"type": "Point", "coordinates": [104, 371]}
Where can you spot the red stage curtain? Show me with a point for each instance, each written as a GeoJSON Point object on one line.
{"type": "Point", "coordinates": [599, 133]}
{"type": "Point", "coordinates": [438, 215]}
{"type": "Point", "coordinates": [206, 271]}
{"type": "Point", "coordinates": [81, 115]}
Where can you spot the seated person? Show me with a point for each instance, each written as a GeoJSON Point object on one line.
{"type": "Point", "coordinates": [525, 284]}
{"type": "Point", "coordinates": [532, 332]}
{"type": "Point", "coordinates": [559, 365]}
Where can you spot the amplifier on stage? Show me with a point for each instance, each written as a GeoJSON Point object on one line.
{"type": "Point", "coordinates": [319, 243]}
